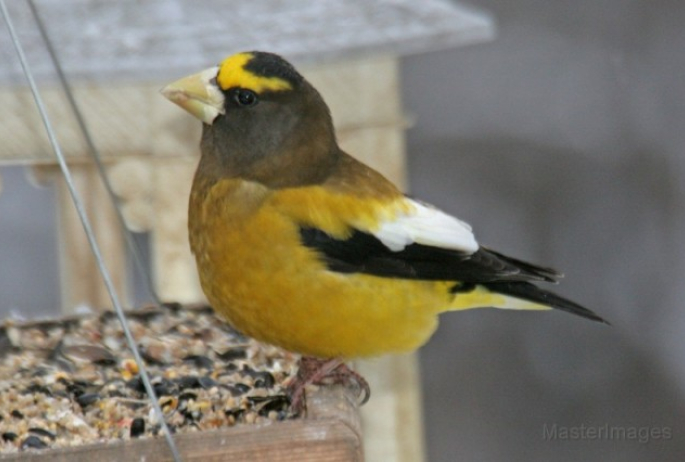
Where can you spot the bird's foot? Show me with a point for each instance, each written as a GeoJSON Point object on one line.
{"type": "Point", "coordinates": [324, 372]}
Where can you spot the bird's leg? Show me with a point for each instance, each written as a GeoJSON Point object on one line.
{"type": "Point", "coordinates": [324, 372]}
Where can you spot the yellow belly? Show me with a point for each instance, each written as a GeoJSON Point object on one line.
{"type": "Point", "coordinates": [259, 277]}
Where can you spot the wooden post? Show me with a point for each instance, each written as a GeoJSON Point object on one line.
{"type": "Point", "coordinates": [175, 153]}
{"type": "Point", "coordinates": [80, 279]}
{"type": "Point", "coordinates": [173, 264]}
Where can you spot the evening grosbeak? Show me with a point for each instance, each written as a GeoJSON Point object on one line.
{"type": "Point", "coordinates": [302, 246]}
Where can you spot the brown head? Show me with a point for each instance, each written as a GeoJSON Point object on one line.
{"type": "Point", "coordinates": [263, 121]}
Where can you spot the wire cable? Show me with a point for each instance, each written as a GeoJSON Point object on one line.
{"type": "Point", "coordinates": [89, 232]}
{"type": "Point", "coordinates": [133, 246]}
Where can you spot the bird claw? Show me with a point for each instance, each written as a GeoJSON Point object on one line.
{"type": "Point", "coordinates": [352, 379]}
{"type": "Point", "coordinates": [317, 371]}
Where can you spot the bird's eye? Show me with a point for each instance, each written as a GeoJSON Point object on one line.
{"type": "Point", "coordinates": [245, 97]}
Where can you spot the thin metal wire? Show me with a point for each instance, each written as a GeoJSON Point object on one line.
{"type": "Point", "coordinates": [133, 247]}
{"type": "Point", "coordinates": [89, 232]}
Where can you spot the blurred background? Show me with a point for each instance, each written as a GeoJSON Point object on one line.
{"type": "Point", "coordinates": [562, 142]}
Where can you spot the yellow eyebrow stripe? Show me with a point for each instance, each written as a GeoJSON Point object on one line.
{"type": "Point", "coordinates": [232, 73]}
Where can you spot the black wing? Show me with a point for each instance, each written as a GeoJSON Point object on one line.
{"type": "Point", "coordinates": [364, 253]}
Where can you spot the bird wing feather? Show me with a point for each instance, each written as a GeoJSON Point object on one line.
{"type": "Point", "coordinates": [426, 225]}
{"type": "Point", "coordinates": [421, 243]}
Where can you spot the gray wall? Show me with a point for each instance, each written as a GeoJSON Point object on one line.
{"type": "Point", "coordinates": [561, 142]}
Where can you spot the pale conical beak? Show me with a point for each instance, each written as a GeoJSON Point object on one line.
{"type": "Point", "coordinates": [198, 94]}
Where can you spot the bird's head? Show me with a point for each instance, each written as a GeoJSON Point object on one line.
{"type": "Point", "coordinates": [262, 120]}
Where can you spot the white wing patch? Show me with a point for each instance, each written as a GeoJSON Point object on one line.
{"type": "Point", "coordinates": [426, 225]}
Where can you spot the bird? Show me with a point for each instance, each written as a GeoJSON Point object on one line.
{"type": "Point", "coordinates": [300, 245]}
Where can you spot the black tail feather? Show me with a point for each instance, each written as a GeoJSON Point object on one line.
{"type": "Point", "coordinates": [529, 271]}
{"type": "Point", "coordinates": [532, 293]}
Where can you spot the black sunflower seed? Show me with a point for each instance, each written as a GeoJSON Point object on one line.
{"type": "Point", "coordinates": [163, 387]}
{"type": "Point", "coordinates": [78, 387]}
{"type": "Point", "coordinates": [262, 379]}
{"type": "Point", "coordinates": [36, 388]}
{"type": "Point", "coordinates": [187, 396]}
{"type": "Point", "coordinates": [137, 427]}
{"type": "Point", "coordinates": [200, 361]}
{"type": "Point", "coordinates": [233, 353]}
{"type": "Point", "coordinates": [237, 389]}
{"type": "Point", "coordinates": [206, 382]}
{"type": "Point", "coordinates": [189, 381]}
{"type": "Point", "coordinates": [33, 442]}
{"type": "Point", "coordinates": [86, 399]}
{"type": "Point", "coordinates": [136, 384]}
{"type": "Point", "coordinates": [43, 432]}
{"type": "Point", "coordinates": [237, 413]}
{"type": "Point", "coordinates": [266, 404]}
